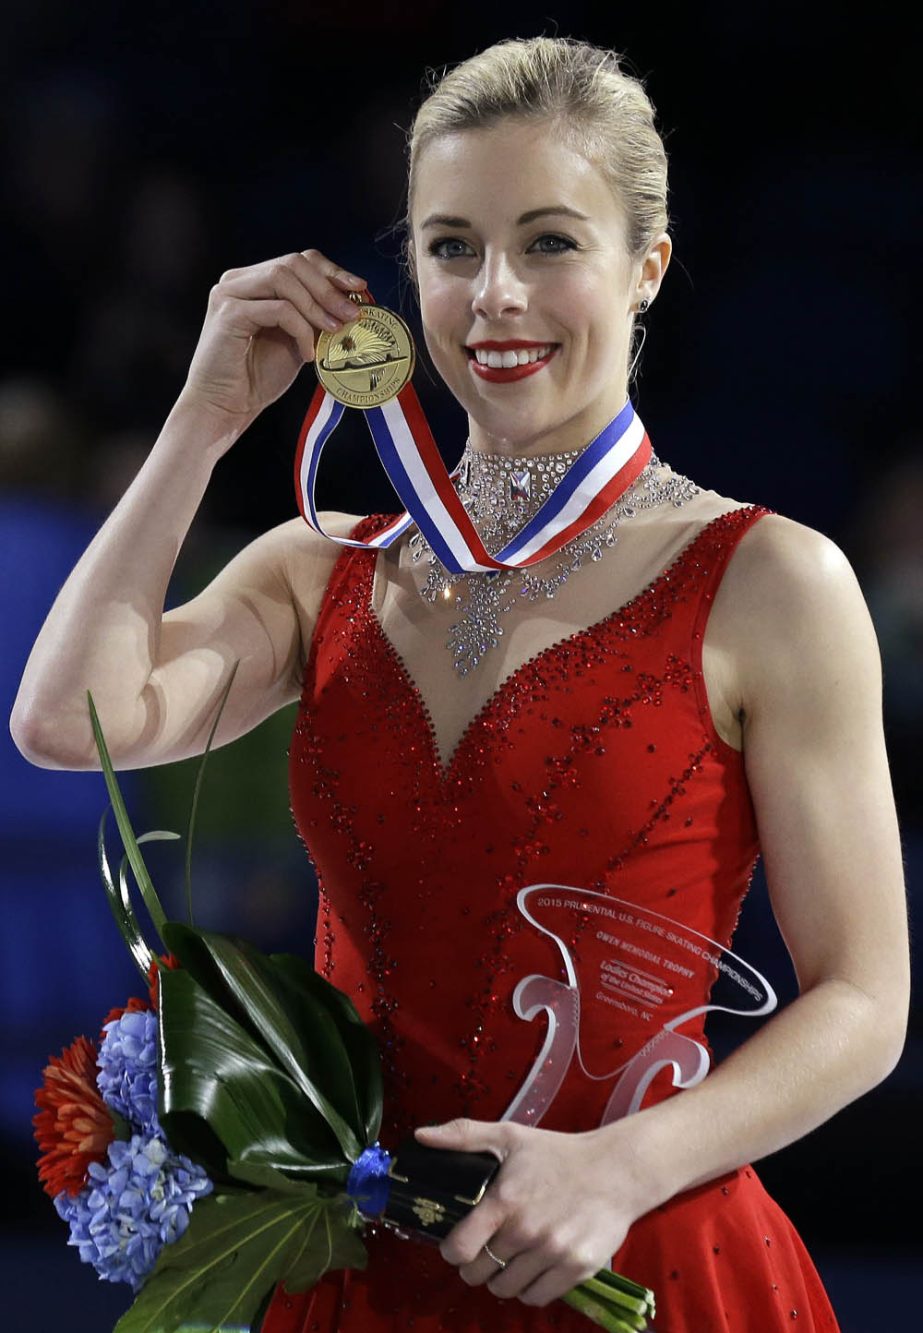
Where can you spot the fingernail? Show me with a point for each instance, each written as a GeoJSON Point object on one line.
{"type": "Point", "coordinates": [352, 280]}
{"type": "Point", "coordinates": [331, 322]}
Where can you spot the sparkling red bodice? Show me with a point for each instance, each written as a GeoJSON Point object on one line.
{"type": "Point", "coordinates": [595, 764]}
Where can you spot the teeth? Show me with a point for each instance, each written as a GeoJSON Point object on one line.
{"type": "Point", "coordinates": [522, 356]}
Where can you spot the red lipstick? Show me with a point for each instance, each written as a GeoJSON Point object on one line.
{"type": "Point", "coordinates": [509, 345]}
{"type": "Point", "coordinates": [503, 374]}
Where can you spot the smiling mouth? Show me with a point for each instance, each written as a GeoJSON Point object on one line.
{"type": "Point", "coordinates": [512, 363]}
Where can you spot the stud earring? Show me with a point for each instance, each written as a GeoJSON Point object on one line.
{"type": "Point", "coordinates": [643, 306]}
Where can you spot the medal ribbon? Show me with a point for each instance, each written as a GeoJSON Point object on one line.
{"type": "Point", "coordinates": [408, 453]}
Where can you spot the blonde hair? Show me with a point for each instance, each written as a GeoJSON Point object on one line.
{"type": "Point", "coordinates": [582, 87]}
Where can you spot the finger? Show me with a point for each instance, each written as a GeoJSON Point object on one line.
{"type": "Point", "coordinates": [468, 1136]}
{"type": "Point", "coordinates": [326, 281]}
{"type": "Point", "coordinates": [548, 1284]}
{"type": "Point", "coordinates": [465, 1242]}
{"type": "Point", "coordinates": [331, 270]}
{"type": "Point", "coordinates": [251, 316]}
{"type": "Point", "coordinates": [522, 1273]}
{"type": "Point", "coordinates": [483, 1269]}
{"type": "Point", "coordinates": [557, 1265]}
{"type": "Point", "coordinates": [292, 278]}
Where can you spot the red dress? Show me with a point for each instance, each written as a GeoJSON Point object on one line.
{"type": "Point", "coordinates": [596, 764]}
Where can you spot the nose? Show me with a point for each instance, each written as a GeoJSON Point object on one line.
{"type": "Point", "coordinates": [499, 290]}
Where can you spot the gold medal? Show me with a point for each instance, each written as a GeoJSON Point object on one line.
{"type": "Point", "coordinates": [367, 362]}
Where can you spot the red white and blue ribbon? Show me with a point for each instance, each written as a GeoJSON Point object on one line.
{"type": "Point", "coordinates": [408, 452]}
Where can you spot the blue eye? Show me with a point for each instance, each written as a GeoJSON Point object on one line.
{"type": "Point", "coordinates": [560, 243]}
{"type": "Point", "coordinates": [441, 251]}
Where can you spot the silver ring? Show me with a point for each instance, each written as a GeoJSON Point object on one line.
{"type": "Point", "coordinates": [489, 1252]}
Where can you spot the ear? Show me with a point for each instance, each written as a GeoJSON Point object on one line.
{"type": "Point", "coordinates": [652, 269]}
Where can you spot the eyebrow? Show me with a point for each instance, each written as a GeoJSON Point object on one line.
{"type": "Point", "coordinates": [560, 210]}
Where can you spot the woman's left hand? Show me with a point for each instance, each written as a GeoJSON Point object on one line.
{"type": "Point", "coordinates": [554, 1211]}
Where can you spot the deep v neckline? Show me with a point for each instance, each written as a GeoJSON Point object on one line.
{"type": "Point", "coordinates": [511, 682]}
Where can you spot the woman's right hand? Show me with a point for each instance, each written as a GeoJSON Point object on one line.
{"type": "Point", "coordinates": [260, 330]}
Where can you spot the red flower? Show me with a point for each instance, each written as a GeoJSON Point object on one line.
{"type": "Point", "coordinates": [73, 1127]}
{"type": "Point", "coordinates": [134, 1004]}
{"type": "Point", "coordinates": [167, 960]}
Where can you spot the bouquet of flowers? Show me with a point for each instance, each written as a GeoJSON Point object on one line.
{"type": "Point", "coordinates": [222, 1135]}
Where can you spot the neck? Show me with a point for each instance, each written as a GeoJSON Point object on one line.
{"type": "Point", "coordinates": [569, 436]}
{"type": "Point", "coordinates": [501, 493]}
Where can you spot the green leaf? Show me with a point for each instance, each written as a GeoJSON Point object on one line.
{"type": "Point", "coordinates": [122, 909]}
{"type": "Point", "coordinates": [198, 784]}
{"type": "Point", "coordinates": [343, 1053]}
{"type": "Point", "coordinates": [263, 1177]}
{"type": "Point", "coordinates": [212, 1071]}
{"type": "Point", "coordinates": [130, 842]}
{"type": "Point", "coordinates": [335, 1243]}
{"type": "Point", "coordinates": [303, 1038]}
{"type": "Point", "coordinates": [158, 835]}
{"type": "Point", "coordinates": [358, 1039]}
{"type": "Point", "coordinates": [235, 1250]}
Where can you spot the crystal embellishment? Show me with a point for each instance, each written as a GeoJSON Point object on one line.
{"type": "Point", "coordinates": [520, 484]}
{"type": "Point", "coordinates": [486, 484]}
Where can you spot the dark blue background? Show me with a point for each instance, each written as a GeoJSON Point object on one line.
{"type": "Point", "coordinates": [146, 149]}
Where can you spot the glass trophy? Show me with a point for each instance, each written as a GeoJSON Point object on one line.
{"type": "Point", "coordinates": [632, 979]}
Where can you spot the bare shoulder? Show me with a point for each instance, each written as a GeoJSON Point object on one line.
{"type": "Point", "coordinates": [303, 540]}
{"type": "Point", "coordinates": [789, 608]}
{"type": "Point", "coordinates": [784, 571]}
{"type": "Point", "coordinates": [307, 560]}
{"type": "Point", "coordinates": [305, 551]}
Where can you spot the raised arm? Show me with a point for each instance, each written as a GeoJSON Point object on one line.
{"type": "Point", "coordinates": [156, 677]}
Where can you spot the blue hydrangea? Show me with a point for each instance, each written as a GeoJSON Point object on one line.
{"type": "Point", "coordinates": [131, 1208]}
{"type": "Point", "coordinates": [127, 1078]}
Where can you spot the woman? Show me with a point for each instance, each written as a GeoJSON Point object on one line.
{"type": "Point", "coordinates": [689, 682]}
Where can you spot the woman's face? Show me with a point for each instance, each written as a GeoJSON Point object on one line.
{"type": "Point", "coordinates": [519, 241]}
